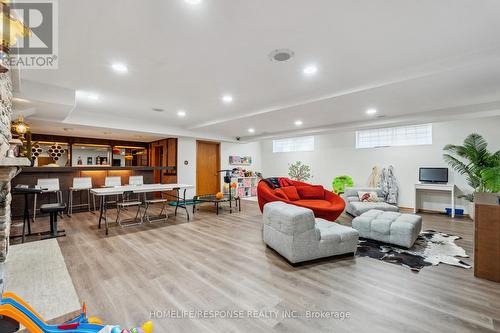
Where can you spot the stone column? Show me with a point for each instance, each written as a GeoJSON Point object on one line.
{"type": "Point", "coordinates": [5, 113]}
{"type": "Point", "coordinates": [5, 173]}
{"type": "Point", "coordinates": [9, 167]}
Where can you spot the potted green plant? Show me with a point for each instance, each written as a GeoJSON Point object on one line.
{"type": "Point", "coordinates": [479, 166]}
{"type": "Point", "coordinates": [491, 178]}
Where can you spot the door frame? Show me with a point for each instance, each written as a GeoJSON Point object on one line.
{"type": "Point", "coordinates": [157, 161]}
{"type": "Point", "coordinates": [197, 162]}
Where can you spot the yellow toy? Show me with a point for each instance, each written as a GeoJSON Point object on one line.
{"type": "Point", "coordinates": [13, 307]}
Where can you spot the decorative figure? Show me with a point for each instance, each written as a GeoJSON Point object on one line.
{"type": "Point", "coordinates": [11, 153]}
{"type": "Point", "coordinates": [389, 185]}
{"type": "Point", "coordinates": [374, 179]}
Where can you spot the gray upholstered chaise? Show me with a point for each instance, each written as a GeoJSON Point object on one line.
{"type": "Point", "coordinates": [295, 234]}
{"type": "Point", "coordinates": [356, 207]}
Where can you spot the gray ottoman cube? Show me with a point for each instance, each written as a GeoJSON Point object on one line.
{"type": "Point", "coordinates": [389, 227]}
{"type": "Point", "coordinates": [294, 233]}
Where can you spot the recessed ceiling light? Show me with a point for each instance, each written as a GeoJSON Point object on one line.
{"type": "Point", "coordinates": [310, 69]}
{"type": "Point", "coordinates": [371, 111]}
{"type": "Point", "coordinates": [119, 68]}
{"type": "Point", "coordinates": [93, 97]}
{"type": "Point", "coordinates": [227, 99]}
{"type": "Point", "coordinates": [193, 2]}
{"type": "Point", "coordinates": [298, 122]}
{"type": "Point", "coordinates": [281, 55]}
{"type": "Point", "coordinates": [251, 130]}
{"type": "Point", "coordinates": [181, 113]}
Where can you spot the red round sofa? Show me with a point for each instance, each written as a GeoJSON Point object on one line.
{"type": "Point", "coordinates": [325, 204]}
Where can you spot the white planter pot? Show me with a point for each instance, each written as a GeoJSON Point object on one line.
{"type": "Point", "coordinates": [472, 210]}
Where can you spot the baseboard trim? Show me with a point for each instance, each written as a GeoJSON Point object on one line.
{"type": "Point", "coordinates": [427, 211]}
{"type": "Point", "coordinates": [406, 209]}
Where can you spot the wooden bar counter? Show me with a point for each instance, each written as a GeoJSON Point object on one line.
{"type": "Point", "coordinates": [29, 176]}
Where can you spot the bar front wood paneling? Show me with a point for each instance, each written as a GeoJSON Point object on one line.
{"type": "Point", "coordinates": [29, 176]}
{"type": "Point", "coordinates": [162, 161]}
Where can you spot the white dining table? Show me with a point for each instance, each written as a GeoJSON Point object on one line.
{"type": "Point", "coordinates": [103, 192]}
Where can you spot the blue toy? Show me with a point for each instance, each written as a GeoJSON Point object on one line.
{"type": "Point", "coordinates": [13, 307]}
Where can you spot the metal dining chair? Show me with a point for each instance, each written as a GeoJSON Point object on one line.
{"type": "Point", "coordinates": [113, 181]}
{"type": "Point", "coordinates": [136, 181]}
{"type": "Point", "coordinates": [147, 203]}
{"type": "Point", "coordinates": [123, 206]}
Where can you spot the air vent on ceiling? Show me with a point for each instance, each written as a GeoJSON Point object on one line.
{"type": "Point", "coordinates": [281, 55]}
{"type": "Point", "coordinates": [158, 109]}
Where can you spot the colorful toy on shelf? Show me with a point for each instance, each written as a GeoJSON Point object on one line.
{"type": "Point", "coordinates": [14, 308]}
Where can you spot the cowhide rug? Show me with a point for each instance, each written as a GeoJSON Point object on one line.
{"type": "Point", "coordinates": [430, 248]}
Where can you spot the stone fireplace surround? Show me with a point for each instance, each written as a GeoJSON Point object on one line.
{"type": "Point", "coordinates": [9, 168]}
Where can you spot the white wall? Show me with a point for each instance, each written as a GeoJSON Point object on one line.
{"type": "Point", "coordinates": [187, 152]}
{"type": "Point", "coordinates": [241, 149]}
{"type": "Point", "coordinates": [335, 154]}
{"type": "Point", "coordinates": [186, 174]}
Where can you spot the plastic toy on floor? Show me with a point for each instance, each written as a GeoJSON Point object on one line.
{"type": "Point", "coordinates": [14, 309]}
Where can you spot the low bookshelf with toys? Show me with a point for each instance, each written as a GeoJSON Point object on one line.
{"type": "Point", "coordinates": [243, 183]}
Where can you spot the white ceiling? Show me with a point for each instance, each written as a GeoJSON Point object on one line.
{"type": "Point", "coordinates": [406, 58]}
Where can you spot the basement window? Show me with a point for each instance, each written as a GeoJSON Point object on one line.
{"type": "Point", "coordinates": [412, 135]}
{"type": "Point", "coordinates": [288, 145]}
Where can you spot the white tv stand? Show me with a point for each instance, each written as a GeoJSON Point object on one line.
{"type": "Point", "coordinates": [450, 188]}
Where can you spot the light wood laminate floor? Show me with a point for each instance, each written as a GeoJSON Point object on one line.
{"type": "Point", "coordinates": [220, 263]}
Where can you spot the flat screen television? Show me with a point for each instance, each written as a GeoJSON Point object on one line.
{"type": "Point", "coordinates": [433, 175]}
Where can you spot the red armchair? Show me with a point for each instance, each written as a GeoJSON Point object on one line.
{"type": "Point", "coordinates": [323, 203]}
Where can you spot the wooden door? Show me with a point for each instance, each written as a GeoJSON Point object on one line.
{"type": "Point", "coordinates": [207, 165]}
{"type": "Point", "coordinates": [157, 161]}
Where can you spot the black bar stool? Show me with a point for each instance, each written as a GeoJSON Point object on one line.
{"type": "Point", "coordinates": [50, 185]}
{"type": "Point", "coordinates": [25, 190]}
{"type": "Point", "coordinates": [53, 210]}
